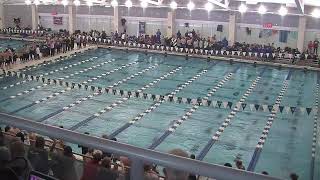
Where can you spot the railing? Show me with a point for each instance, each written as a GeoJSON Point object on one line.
{"type": "Point", "coordinates": [138, 156]}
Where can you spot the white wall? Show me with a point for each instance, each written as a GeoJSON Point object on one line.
{"type": "Point", "coordinates": [243, 36]}
{"type": "Point", "coordinates": [205, 28]}
{"type": "Point", "coordinates": [94, 22]}
{"type": "Point", "coordinates": [152, 25]}
{"type": "Point", "coordinates": [46, 20]}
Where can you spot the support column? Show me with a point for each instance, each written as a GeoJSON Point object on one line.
{"type": "Point", "coordinates": [71, 18]}
{"type": "Point", "coordinates": [116, 19]}
{"type": "Point", "coordinates": [34, 17]}
{"type": "Point", "coordinates": [232, 29]}
{"type": "Point", "coordinates": [171, 27]}
{"type": "Point", "coordinates": [2, 25]}
{"type": "Point", "coordinates": [301, 33]}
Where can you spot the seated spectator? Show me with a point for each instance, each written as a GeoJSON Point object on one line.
{"type": "Point", "coordinates": [105, 171]}
{"type": "Point", "coordinates": [172, 174]}
{"type": "Point", "coordinates": [240, 165]}
{"type": "Point", "coordinates": [38, 156]}
{"type": "Point", "coordinates": [63, 164]}
{"type": "Point", "coordinates": [192, 176]}
{"type": "Point", "coordinates": [90, 170]}
{"type": "Point", "coordinates": [19, 164]}
{"type": "Point", "coordinates": [149, 174]}
{"type": "Point", "coordinates": [88, 156]}
{"type": "Point", "coordinates": [294, 176]}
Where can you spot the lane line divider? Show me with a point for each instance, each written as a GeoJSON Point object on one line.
{"type": "Point", "coordinates": [85, 69]}
{"type": "Point", "coordinates": [23, 92]}
{"type": "Point", "coordinates": [99, 92]}
{"type": "Point", "coordinates": [315, 131]}
{"type": "Point", "coordinates": [266, 129]}
{"type": "Point", "coordinates": [123, 100]}
{"type": "Point", "coordinates": [41, 75]}
{"type": "Point", "coordinates": [176, 123]}
{"type": "Point", "coordinates": [42, 100]}
{"type": "Point", "coordinates": [108, 72]}
{"type": "Point", "coordinates": [185, 100]}
{"type": "Point", "coordinates": [157, 104]}
{"type": "Point", "coordinates": [231, 115]}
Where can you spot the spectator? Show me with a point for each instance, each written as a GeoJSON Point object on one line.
{"type": "Point", "coordinates": [294, 176]}
{"type": "Point", "coordinates": [158, 36]}
{"type": "Point", "coordinates": [149, 174]}
{"type": "Point", "coordinates": [310, 47]}
{"type": "Point", "coordinates": [192, 176]}
{"type": "Point", "coordinates": [38, 156]}
{"type": "Point", "coordinates": [63, 164]}
{"type": "Point", "coordinates": [172, 174]}
{"type": "Point", "coordinates": [240, 165]}
{"type": "Point", "coordinates": [90, 170]}
{"type": "Point", "coordinates": [105, 170]}
{"type": "Point", "coordinates": [315, 46]}
{"type": "Point", "coordinates": [19, 164]}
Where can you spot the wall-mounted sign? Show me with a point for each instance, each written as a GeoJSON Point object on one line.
{"type": "Point", "coordinates": [267, 25]}
{"type": "Point", "coordinates": [57, 20]}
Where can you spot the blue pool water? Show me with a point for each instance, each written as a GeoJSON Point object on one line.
{"type": "Point", "coordinates": [15, 44]}
{"type": "Point", "coordinates": [287, 147]}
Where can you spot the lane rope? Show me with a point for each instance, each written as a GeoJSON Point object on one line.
{"type": "Point", "coordinates": [157, 104]}
{"type": "Point", "coordinates": [176, 123]}
{"type": "Point", "coordinates": [231, 115]}
{"type": "Point", "coordinates": [266, 129]}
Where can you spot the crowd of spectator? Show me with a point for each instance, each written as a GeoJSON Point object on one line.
{"type": "Point", "coordinates": [53, 44]}
{"type": "Point", "coordinates": [22, 153]}
{"type": "Point", "coordinates": [194, 40]}
{"type": "Point", "coordinates": [191, 39]}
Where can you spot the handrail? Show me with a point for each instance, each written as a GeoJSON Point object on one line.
{"type": "Point", "coordinates": [137, 155]}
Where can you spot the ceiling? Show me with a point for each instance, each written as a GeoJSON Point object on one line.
{"type": "Point", "coordinates": [299, 5]}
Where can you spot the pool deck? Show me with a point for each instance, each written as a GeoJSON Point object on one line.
{"type": "Point", "coordinates": [20, 65]}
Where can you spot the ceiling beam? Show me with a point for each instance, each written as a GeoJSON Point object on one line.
{"type": "Point", "coordinates": [300, 5]}
{"type": "Point", "coordinates": [218, 3]}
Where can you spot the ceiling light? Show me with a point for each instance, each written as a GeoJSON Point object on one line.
{"type": "Point", "coordinates": [208, 6]}
{"type": "Point", "coordinates": [173, 5]}
{"type": "Point", "coordinates": [28, 2]}
{"type": "Point", "coordinates": [36, 2]}
{"type": "Point", "coordinates": [283, 11]}
{"type": "Point", "coordinates": [114, 3]}
{"type": "Point", "coordinates": [144, 4]}
{"type": "Point", "coordinates": [89, 3]}
{"type": "Point", "coordinates": [243, 8]}
{"type": "Point", "coordinates": [190, 5]}
{"type": "Point", "coordinates": [315, 13]}
{"type": "Point", "coordinates": [262, 9]}
{"type": "Point", "coordinates": [64, 2]}
{"type": "Point", "coordinates": [76, 2]}
{"type": "Point", "coordinates": [128, 3]}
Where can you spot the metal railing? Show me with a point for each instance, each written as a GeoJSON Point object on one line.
{"type": "Point", "coordinates": [138, 156]}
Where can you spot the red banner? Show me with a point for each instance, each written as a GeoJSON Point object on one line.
{"type": "Point", "coordinates": [267, 25]}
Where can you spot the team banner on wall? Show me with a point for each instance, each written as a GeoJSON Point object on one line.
{"type": "Point", "coordinates": [174, 99]}
{"type": "Point", "coordinates": [57, 20]}
{"type": "Point", "coordinates": [142, 27]}
{"type": "Point", "coordinates": [267, 25]}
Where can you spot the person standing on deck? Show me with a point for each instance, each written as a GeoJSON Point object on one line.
{"type": "Point", "coordinates": [315, 46]}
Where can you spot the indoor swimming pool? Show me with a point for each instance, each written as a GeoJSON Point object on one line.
{"type": "Point", "coordinates": [240, 112]}
{"type": "Point", "coordinates": [15, 44]}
